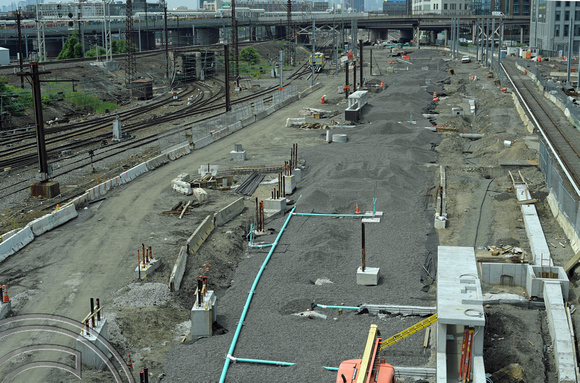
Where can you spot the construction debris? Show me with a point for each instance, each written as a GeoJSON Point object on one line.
{"type": "Point", "coordinates": [501, 254]}
{"type": "Point", "coordinates": [250, 184]}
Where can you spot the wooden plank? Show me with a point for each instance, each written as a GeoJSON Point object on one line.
{"type": "Point", "coordinates": [572, 262]}
{"type": "Point", "coordinates": [184, 209]}
{"type": "Point", "coordinates": [426, 338]}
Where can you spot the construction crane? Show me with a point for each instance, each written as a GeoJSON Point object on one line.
{"type": "Point", "coordinates": [371, 368]}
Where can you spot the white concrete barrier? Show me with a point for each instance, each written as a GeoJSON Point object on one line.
{"type": "Point", "coordinates": [178, 270]}
{"type": "Point", "coordinates": [133, 173]}
{"type": "Point", "coordinates": [179, 151]}
{"type": "Point", "coordinates": [227, 213]}
{"type": "Point", "coordinates": [16, 242]}
{"type": "Point", "coordinates": [202, 142]}
{"type": "Point", "coordinates": [156, 162]}
{"type": "Point", "coordinates": [80, 200]}
{"type": "Point", "coordinates": [235, 127]}
{"type": "Point", "coordinates": [271, 110]}
{"type": "Point", "coordinates": [200, 234]}
{"type": "Point", "coordinates": [261, 115]}
{"type": "Point", "coordinates": [248, 121]}
{"type": "Point", "coordinates": [182, 187]}
{"type": "Point", "coordinates": [48, 222]}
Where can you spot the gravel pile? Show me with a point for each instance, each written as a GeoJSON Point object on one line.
{"type": "Point", "coordinates": [384, 157]}
{"type": "Point", "coordinates": [143, 295]}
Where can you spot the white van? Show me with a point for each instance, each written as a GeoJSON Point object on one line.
{"type": "Point", "coordinates": [497, 13]}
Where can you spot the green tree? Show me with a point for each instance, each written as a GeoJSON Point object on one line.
{"type": "Point", "coordinates": [95, 51]}
{"type": "Point", "coordinates": [250, 55]}
{"type": "Point", "coordinates": [71, 49]}
{"type": "Point", "coordinates": [14, 100]}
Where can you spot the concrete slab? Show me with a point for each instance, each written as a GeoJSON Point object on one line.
{"type": "Point", "coordinates": [368, 277]}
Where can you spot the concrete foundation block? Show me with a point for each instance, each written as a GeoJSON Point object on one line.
{"type": "Point", "coordinates": [5, 309]}
{"type": "Point", "coordinates": [238, 156]}
{"type": "Point", "coordinates": [204, 315]}
{"type": "Point", "coordinates": [278, 204]}
{"type": "Point", "coordinates": [440, 223]}
{"type": "Point", "coordinates": [88, 356]}
{"type": "Point", "coordinates": [200, 194]}
{"type": "Point", "coordinates": [369, 277]}
{"type": "Point", "coordinates": [290, 184]}
{"type": "Point", "coordinates": [297, 174]}
{"type": "Point", "coordinates": [141, 271]}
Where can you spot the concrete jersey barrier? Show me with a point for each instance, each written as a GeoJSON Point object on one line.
{"type": "Point", "coordinates": [202, 142]}
{"type": "Point", "coordinates": [16, 242]}
{"type": "Point", "coordinates": [200, 234]}
{"type": "Point", "coordinates": [227, 213]}
{"type": "Point", "coordinates": [178, 270]}
{"type": "Point", "coordinates": [133, 173]}
{"type": "Point", "coordinates": [156, 162]}
{"type": "Point", "coordinates": [48, 222]}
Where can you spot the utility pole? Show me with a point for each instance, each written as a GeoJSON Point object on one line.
{"type": "Point", "coordinates": [360, 43]}
{"type": "Point", "coordinates": [42, 188]}
{"type": "Point", "coordinates": [81, 40]}
{"type": "Point", "coordinates": [130, 70]}
{"type": "Point", "coordinates": [227, 76]}
{"type": "Point", "coordinates": [289, 34]}
{"type": "Point", "coordinates": [20, 58]}
{"type": "Point", "coordinates": [312, 58]}
{"type": "Point", "coordinates": [235, 38]}
{"type": "Point", "coordinates": [166, 43]}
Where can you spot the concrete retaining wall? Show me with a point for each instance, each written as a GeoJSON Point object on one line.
{"type": "Point", "coordinates": [538, 244]}
{"type": "Point", "coordinates": [200, 234]}
{"type": "Point", "coordinates": [227, 213]}
{"type": "Point", "coordinates": [564, 223]}
{"type": "Point", "coordinates": [178, 270]}
{"type": "Point", "coordinates": [48, 222]}
{"type": "Point", "coordinates": [504, 274]}
{"type": "Point", "coordinates": [16, 242]}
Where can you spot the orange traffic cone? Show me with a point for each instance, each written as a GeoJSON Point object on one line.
{"type": "Point", "coordinates": [357, 209]}
{"type": "Point", "coordinates": [5, 298]}
{"type": "Point", "coordinates": [129, 362]}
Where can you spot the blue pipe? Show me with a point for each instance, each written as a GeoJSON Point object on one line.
{"type": "Point", "coordinates": [334, 215]}
{"type": "Point", "coordinates": [250, 295]}
{"type": "Point", "coordinates": [331, 368]}
{"type": "Point", "coordinates": [338, 307]}
{"type": "Point", "coordinates": [275, 362]}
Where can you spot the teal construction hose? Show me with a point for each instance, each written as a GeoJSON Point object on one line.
{"type": "Point", "coordinates": [249, 299]}
{"type": "Point", "coordinates": [331, 368]}
{"type": "Point", "coordinates": [275, 362]}
{"type": "Point", "coordinates": [334, 215]}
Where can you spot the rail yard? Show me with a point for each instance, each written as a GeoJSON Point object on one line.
{"type": "Point", "coordinates": [433, 172]}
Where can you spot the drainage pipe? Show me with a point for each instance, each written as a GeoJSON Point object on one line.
{"type": "Point", "coordinates": [274, 362]}
{"type": "Point", "coordinates": [333, 215]}
{"type": "Point", "coordinates": [250, 295]}
{"type": "Point", "coordinates": [338, 307]}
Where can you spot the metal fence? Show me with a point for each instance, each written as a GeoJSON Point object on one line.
{"type": "Point", "coordinates": [284, 94]}
{"type": "Point", "coordinates": [560, 187]}
{"type": "Point", "coordinates": [169, 139]}
{"type": "Point", "coordinates": [553, 88]}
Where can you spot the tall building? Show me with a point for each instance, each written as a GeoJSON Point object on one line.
{"type": "Point", "coordinates": [441, 7]}
{"type": "Point", "coordinates": [395, 8]}
{"type": "Point", "coordinates": [552, 23]}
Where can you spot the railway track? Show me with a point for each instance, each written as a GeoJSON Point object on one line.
{"type": "Point", "coordinates": [112, 150]}
{"type": "Point", "coordinates": [562, 139]}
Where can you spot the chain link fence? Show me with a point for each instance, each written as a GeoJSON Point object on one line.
{"type": "Point", "coordinates": [167, 140]}
{"type": "Point", "coordinates": [560, 186]}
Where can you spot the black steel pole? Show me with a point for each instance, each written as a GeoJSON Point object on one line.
{"type": "Point", "coordinates": [39, 120]}
{"type": "Point", "coordinates": [18, 20]}
{"type": "Point", "coordinates": [363, 247]}
{"type": "Point", "coordinates": [360, 43]}
{"type": "Point", "coordinates": [227, 76]}
{"type": "Point", "coordinates": [346, 84]}
{"type": "Point", "coordinates": [166, 44]}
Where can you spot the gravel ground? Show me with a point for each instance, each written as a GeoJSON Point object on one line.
{"type": "Point", "coordinates": [390, 155]}
{"type": "Point", "coordinates": [384, 157]}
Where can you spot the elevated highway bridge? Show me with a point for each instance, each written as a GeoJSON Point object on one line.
{"type": "Point", "coordinates": [149, 34]}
